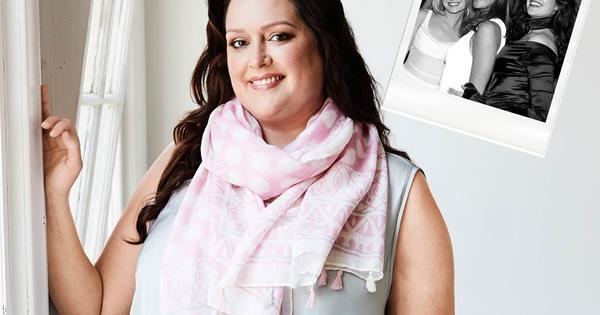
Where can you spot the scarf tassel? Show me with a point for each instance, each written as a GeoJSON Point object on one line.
{"type": "Point", "coordinates": [337, 283]}
{"type": "Point", "coordinates": [311, 297]}
{"type": "Point", "coordinates": [371, 283]}
{"type": "Point", "coordinates": [322, 279]}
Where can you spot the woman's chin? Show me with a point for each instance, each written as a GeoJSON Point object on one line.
{"type": "Point", "coordinates": [538, 13]}
{"type": "Point", "coordinates": [265, 113]}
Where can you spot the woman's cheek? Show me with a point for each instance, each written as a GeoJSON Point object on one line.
{"type": "Point", "coordinates": [236, 67]}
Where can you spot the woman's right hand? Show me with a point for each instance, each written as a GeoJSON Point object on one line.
{"type": "Point", "coordinates": [62, 155]}
{"type": "Point", "coordinates": [453, 91]}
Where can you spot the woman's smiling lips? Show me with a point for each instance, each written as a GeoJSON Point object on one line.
{"type": "Point", "coordinates": [267, 81]}
{"type": "Point", "coordinates": [454, 3]}
{"type": "Point", "coordinates": [536, 4]}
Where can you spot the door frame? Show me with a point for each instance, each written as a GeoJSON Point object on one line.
{"type": "Point", "coordinates": [23, 221]}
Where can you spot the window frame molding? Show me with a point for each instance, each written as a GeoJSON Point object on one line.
{"type": "Point", "coordinates": [24, 226]}
{"type": "Point", "coordinates": [134, 133]}
{"type": "Point", "coordinates": [93, 200]}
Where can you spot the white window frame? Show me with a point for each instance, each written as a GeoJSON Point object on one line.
{"type": "Point", "coordinates": [96, 199]}
{"type": "Point", "coordinates": [134, 133]}
{"type": "Point", "coordinates": [25, 287]}
{"type": "Point", "coordinates": [3, 185]}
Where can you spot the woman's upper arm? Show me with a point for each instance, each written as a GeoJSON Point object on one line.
{"type": "Point", "coordinates": [420, 18]}
{"type": "Point", "coordinates": [117, 263]}
{"type": "Point", "coordinates": [486, 42]}
{"type": "Point", "coordinates": [423, 276]}
{"type": "Point", "coordinates": [541, 68]}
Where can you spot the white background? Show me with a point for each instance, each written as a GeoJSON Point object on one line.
{"type": "Point", "coordinates": [525, 229]}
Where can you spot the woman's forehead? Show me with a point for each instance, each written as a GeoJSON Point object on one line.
{"type": "Point", "coordinates": [244, 14]}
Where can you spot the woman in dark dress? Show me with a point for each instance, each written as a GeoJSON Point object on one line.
{"type": "Point", "coordinates": [526, 69]}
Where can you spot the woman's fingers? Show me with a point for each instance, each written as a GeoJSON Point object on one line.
{"type": "Point", "coordinates": [63, 128]}
{"type": "Point", "coordinates": [64, 125]}
{"type": "Point", "coordinates": [46, 112]}
{"type": "Point", "coordinates": [455, 92]}
{"type": "Point", "coordinates": [49, 122]}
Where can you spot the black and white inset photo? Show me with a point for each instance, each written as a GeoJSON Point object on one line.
{"type": "Point", "coordinates": [493, 69]}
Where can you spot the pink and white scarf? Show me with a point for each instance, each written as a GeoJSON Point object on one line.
{"type": "Point", "coordinates": [258, 220]}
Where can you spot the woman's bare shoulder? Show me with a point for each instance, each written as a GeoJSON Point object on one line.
{"type": "Point", "coordinates": [489, 28]}
{"type": "Point", "coordinates": [421, 16]}
{"type": "Point", "coordinates": [544, 39]}
{"type": "Point", "coordinates": [487, 37]}
{"type": "Point", "coordinates": [149, 182]}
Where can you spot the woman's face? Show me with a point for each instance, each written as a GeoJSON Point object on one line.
{"type": "Point", "coordinates": [454, 6]}
{"type": "Point", "coordinates": [274, 64]}
{"type": "Point", "coordinates": [482, 4]}
{"type": "Point", "coordinates": [541, 8]}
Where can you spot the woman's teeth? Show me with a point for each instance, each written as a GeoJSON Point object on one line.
{"type": "Point", "coordinates": [536, 4]}
{"type": "Point", "coordinates": [453, 4]}
{"type": "Point", "coordinates": [267, 81]}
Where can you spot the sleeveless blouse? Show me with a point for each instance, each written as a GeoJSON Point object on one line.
{"type": "Point", "coordinates": [459, 59]}
{"type": "Point", "coordinates": [352, 299]}
{"type": "Point", "coordinates": [425, 62]}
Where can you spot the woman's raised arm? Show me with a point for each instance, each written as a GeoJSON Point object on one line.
{"type": "Point", "coordinates": [77, 286]}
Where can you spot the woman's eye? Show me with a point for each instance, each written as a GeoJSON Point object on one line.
{"type": "Point", "coordinates": [280, 37]}
{"type": "Point", "coordinates": [238, 43]}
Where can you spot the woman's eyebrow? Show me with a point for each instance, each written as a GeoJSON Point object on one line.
{"type": "Point", "coordinates": [266, 26]}
{"type": "Point", "coordinates": [262, 28]}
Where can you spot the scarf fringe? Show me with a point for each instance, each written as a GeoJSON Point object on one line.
{"type": "Point", "coordinates": [337, 283]}
{"type": "Point", "coordinates": [322, 278]}
{"type": "Point", "coordinates": [310, 302]}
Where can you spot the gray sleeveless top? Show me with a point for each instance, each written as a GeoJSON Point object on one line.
{"type": "Point", "coordinates": [352, 299]}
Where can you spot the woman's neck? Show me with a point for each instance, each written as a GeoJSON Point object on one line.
{"type": "Point", "coordinates": [539, 23]}
{"type": "Point", "coordinates": [281, 136]}
{"type": "Point", "coordinates": [283, 133]}
{"type": "Point", "coordinates": [454, 19]}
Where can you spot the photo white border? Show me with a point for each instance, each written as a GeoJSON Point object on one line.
{"type": "Point", "coordinates": [470, 118]}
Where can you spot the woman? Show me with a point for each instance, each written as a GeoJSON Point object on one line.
{"type": "Point", "coordinates": [435, 31]}
{"type": "Point", "coordinates": [469, 62]}
{"type": "Point", "coordinates": [527, 68]}
{"type": "Point", "coordinates": [276, 186]}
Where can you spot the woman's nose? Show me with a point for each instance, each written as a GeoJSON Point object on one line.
{"type": "Point", "coordinates": [260, 57]}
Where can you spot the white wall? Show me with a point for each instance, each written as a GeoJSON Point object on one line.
{"type": "Point", "coordinates": [175, 38]}
{"type": "Point", "coordinates": [63, 33]}
{"type": "Point", "coordinates": [525, 229]}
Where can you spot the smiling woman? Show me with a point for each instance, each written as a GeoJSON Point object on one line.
{"type": "Point", "coordinates": [527, 69]}
{"type": "Point", "coordinates": [275, 67]}
{"type": "Point", "coordinates": [280, 183]}
{"type": "Point", "coordinates": [436, 29]}
{"type": "Point", "coordinates": [470, 60]}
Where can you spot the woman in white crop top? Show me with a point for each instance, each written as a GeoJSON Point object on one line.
{"type": "Point", "coordinates": [435, 31]}
{"type": "Point", "coordinates": [469, 62]}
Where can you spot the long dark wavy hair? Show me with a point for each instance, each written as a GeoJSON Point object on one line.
{"type": "Point", "coordinates": [347, 82]}
{"type": "Point", "coordinates": [562, 24]}
{"type": "Point", "coordinates": [498, 9]}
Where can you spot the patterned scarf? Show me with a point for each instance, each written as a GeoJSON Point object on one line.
{"type": "Point", "coordinates": [258, 220]}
